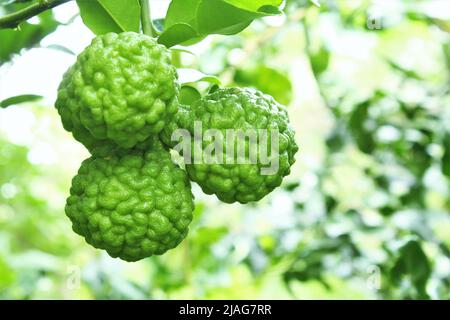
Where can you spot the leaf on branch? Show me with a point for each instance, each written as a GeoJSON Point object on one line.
{"type": "Point", "coordinates": [105, 16]}
{"type": "Point", "coordinates": [28, 36]}
{"type": "Point", "coordinates": [189, 21]}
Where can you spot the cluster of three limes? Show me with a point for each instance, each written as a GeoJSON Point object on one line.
{"type": "Point", "coordinates": [120, 100]}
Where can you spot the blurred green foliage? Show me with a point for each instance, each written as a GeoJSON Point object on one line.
{"type": "Point", "coordinates": [27, 35]}
{"type": "Point", "coordinates": [365, 213]}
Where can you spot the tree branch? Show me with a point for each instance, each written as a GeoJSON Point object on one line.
{"type": "Point", "coordinates": [13, 20]}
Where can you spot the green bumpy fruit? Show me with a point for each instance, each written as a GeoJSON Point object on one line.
{"type": "Point", "coordinates": [133, 203]}
{"type": "Point", "coordinates": [122, 90]}
{"type": "Point", "coordinates": [239, 109]}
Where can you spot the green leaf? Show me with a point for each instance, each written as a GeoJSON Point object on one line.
{"type": "Point", "coordinates": [320, 61]}
{"type": "Point", "coordinates": [189, 21]}
{"type": "Point", "coordinates": [179, 33]}
{"type": "Point", "coordinates": [215, 16]}
{"type": "Point", "coordinates": [256, 5]}
{"type": "Point", "coordinates": [446, 52]}
{"type": "Point", "coordinates": [204, 238]}
{"type": "Point", "coordinates": [189, 94]}
{"type": "Point", "coordinates": [192, 79]}
{"type": "Point", "coordinates": [363, 137]}
{"type": "Point", "coordinates": [446, 156]}
{"type": "Point", "coordinates": [268, 80]}
{"type": "Point", "coordinates": [7, 274]}
{"type": "Point", "coordinates": [413, 264]}
{"type": "Point", "coordinates": [291, 186]}
{"type": "Point", "coordinates": [182, 50]}
{"type": "Point", "coordinates": [337, 138]}
{"type": "Point", "coordinates": [191, 76]}
{"type": "Point", "coordinates": [103, 16]}
{"type": "Point", "coordinates": [19, 99]}
{"type": "Point", "coordinates": [26, 36]}
{"type": "Point", "coordinates": [181, 11]}
{"type": "Point", "coordinates": [61, 48]}
{"type": "Point", "coordinates": [213, 88]}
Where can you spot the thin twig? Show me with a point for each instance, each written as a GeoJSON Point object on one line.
{"type": "Point", "coordinates": [13, 20]}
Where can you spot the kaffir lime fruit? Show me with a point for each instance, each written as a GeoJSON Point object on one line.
{"type": "Point", "coordinates": [237, 110]}
{"type": "Point", "coordinates": [122, 90]}
{"type": "Point", "coordinates": [132, 204]}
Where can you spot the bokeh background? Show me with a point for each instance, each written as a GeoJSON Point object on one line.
{"type": "Point", "coordinates": [365, 213]}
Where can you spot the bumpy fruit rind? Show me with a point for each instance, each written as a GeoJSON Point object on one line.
{"type": "Point", "coordinates": [122, 89]}
{"type": "Point", "coordinates": [239, 109]}
{"type": "Point", "coordinates": [133, 203]}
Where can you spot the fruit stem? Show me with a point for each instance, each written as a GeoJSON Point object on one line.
{"type": "Point", "coordinates": [146, 19]}
{"type": "Point", "coordinates": [12, 20]}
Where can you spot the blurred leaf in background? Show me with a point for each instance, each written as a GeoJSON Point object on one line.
{"type": "Point", "coordinates": [27, 35]}
{"type": "Point", "coordinates": [268, 80]}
